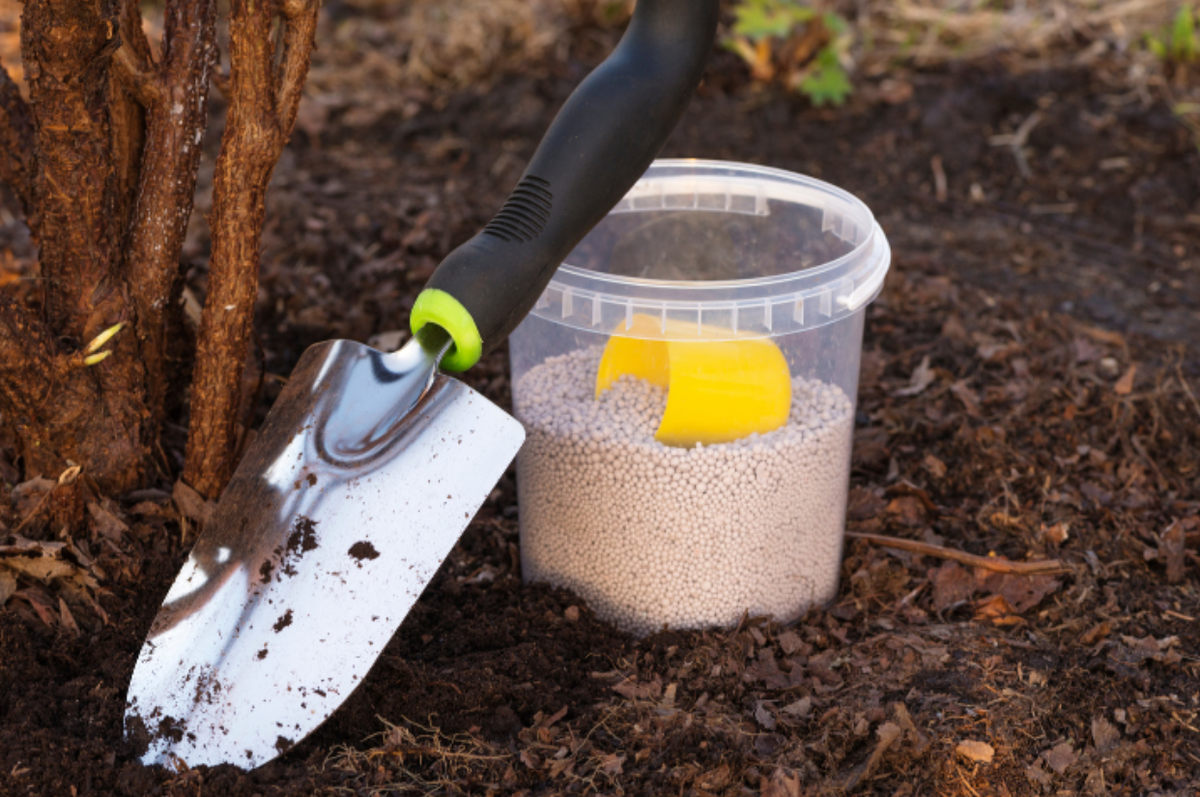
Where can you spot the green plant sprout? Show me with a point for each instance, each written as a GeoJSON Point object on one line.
{"type": "Point", "coordinates": [827, 81]}
{"type": "Point", "coordinates": [759, 19]}
{"type": "Point", "coordinates": [1178, 43]}
{"type": "Point", "coordinates": [795, 43]}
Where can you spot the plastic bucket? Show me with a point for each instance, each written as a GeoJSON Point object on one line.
{"type": "Point", "coordinates": [688, 384]}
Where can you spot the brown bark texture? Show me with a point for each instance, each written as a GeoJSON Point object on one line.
{"type": "Point", "coordinates": [66, 48]}
{"type": "Point", "coordinates": [113, 147]}
{"type": "Point", "coordinates": [42, 392]}
{"type": "Point", "coordinates": [79, 190]}
{"type": "Point", "coordinates": [176, 96]}
{"type": "Point", "coordinates": [16, 146]}
{"type": "Point", "coordinates": [264, 94]}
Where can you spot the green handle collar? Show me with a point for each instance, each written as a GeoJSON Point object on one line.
{"type": "Point", "coordinates": [439, 307]}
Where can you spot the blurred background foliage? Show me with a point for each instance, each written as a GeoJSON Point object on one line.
{"type": "Point", "coordinates": [821, 49]}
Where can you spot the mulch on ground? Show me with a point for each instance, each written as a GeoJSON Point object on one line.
{"type": "Point", "coordinates": [1026, 394]}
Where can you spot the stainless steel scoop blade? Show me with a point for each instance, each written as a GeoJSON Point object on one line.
{"type": "Point", "coordinates": [365, 473]}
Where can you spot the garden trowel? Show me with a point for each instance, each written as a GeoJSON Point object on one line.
{"type": "Point", "coordinates": [370, 465]}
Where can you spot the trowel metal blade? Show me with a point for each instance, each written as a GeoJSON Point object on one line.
{"type": "Point", "coordinates": [335, 521]}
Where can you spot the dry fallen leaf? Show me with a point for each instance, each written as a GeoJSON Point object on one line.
{"type": "Point", "coordinates": [998, 611]}
{"type": "Point", "coordinates": [908, 510]}
{"type": "Point", "coordinates": [936, 468]}
{"type": "Point", "coordinates": [1060, 757]}
{"type": "Point", "coordinates": [922, 377]}
{"type": "Point", "coordinates": [800, 709]}
{"type": "Point", "coordinates": [714, 779]}
{"type": "Point", "coordinates": [612, 764]}
{"type": "Point", "coordinates": [1021, 592]}
{"type": "Point", "coordinates": [762, 713]}
{"type": "Point", "coordinates": [790, 641]}
{"type": "Point", "coordinates": [67, 619]}
{"type": "Point", "coordinates": [782, 783]}
{"type": "Point", "coordinates": [43, 568]}
{"type": "Point", "coordinates": [967, 396]}
{"type": "Point", "coordinates": [191, 504]}
{"type": "Point", "coordinates": [28, 494]}
{"type": "Point", "coordinates": [40, 604]}
{"type": "Point", "coordinates": [1124, 385]}
{"type": "Point", "coordinates": [1038, 775]}
{"type": "Point", "coordinates": [952, 584]}
{"type": "Point", "coordinates": [766, 670]}
{"type": "Point", "coordinates": [1105, 735]}
{"type": "Point", "coordinates": [106, 523]}
{"type": "Point", "coordinates": [972, 750]}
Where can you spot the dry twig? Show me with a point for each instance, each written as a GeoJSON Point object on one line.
{"type": "Point", "coordinates": [1044, 567]}
{"type": "Point", "coordinates": [1186, 387]}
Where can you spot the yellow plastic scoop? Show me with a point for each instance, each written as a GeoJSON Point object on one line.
{"type": "Point", "coordinates": [717, 391]}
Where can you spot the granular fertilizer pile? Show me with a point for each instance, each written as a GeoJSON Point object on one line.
{"type": "Point", "coordinates": [652, 535]}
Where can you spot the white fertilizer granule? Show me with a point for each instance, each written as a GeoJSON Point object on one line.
{"type": "Point", "coordinates": [652, 535]}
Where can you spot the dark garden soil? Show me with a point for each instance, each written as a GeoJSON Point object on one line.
{"type": "Point", "coordinates": [1026, 392]}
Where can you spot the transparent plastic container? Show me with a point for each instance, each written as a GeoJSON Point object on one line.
{"type": "Point", "coordinates": [687, 382]}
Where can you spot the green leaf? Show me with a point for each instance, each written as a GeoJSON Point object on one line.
{"type": "Point", "coordinates": [835, 24]}
{"type": "Point", "coordinates": [1183, 35]}
{"type": "Point", "coordinates": [1156, 46]}
{"type": "Point", "coordinates": [759, 19]}
{"type": "Point", "coordinates": [827, 82]}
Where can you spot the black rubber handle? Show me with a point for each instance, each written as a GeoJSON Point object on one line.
{"type": "Point", "coordinates": [604, 138]}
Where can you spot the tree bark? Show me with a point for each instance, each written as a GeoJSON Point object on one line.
{"type": "Point", "coordinates": [95, 416]}
{"type": "Point", "coordinates": [111, 175]}
{"type": "Point", "coordinates": [127, 117]}
{"type": "Point", "coordinates": [16, 146]}
{"type": "Point", "coordinates": [175, 94]}
{"type": "Point", "coordinates": [54, 404]}
{"type": "Point", "coordinates": [66, 48]}
{"type": "Point", "coordinates": [263, 99]}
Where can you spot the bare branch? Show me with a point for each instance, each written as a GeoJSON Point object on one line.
{"type": "Point", "coordinates": [262, 110]}
{"type": "Point", "coordinates": [300, 25]}
{"type": "Point", "coordinates": [16, 146]}
{"type": "Point", "coordinates": [176, 101]}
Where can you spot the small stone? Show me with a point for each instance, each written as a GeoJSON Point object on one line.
{"type": "Point", "coordinates": [572, 614]}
